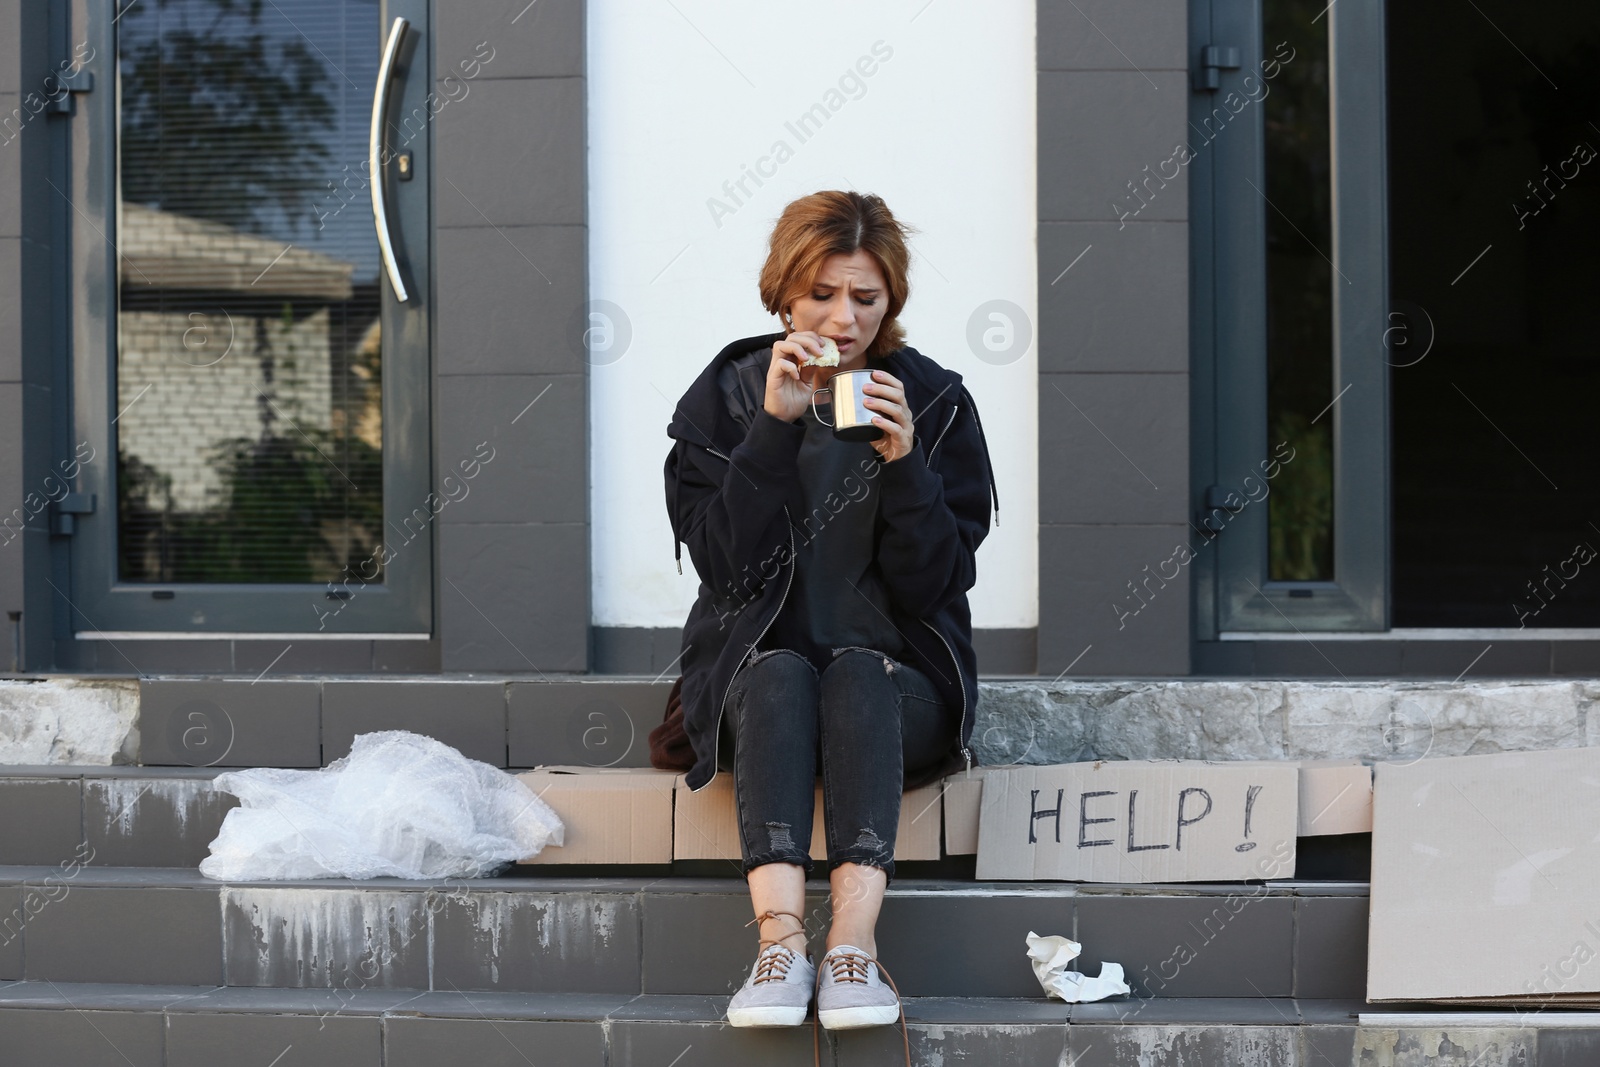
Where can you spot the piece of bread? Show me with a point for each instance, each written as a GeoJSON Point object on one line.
{"type": "Point", "coordinates": [829, 357]}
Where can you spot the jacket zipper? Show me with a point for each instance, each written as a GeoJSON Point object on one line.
{"type": "Point", "coordinates": [966, 753]}
{"type": "Point", "coordinates": [716, 743]}
{"type": "Point", "coordinates": [961, 726]}
{"type": "Point", "coordinates": [948, 422]}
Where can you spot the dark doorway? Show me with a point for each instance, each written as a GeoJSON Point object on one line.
{"type": "Point", "coordinates": [1494, 220]}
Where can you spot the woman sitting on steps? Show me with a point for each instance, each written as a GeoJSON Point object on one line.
{"type": "Point", "coordinates": [831, 630]}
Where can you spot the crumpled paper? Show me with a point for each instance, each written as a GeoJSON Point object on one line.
{"type": "Point", "coordinates": [1050, 956]}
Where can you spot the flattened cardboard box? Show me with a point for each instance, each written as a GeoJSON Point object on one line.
{"type": "Point", "coordinates": [1139, 821]}
{"type": "Point", "coordinates": [963, 795]}
{"type": "Point", "coordinates": [611, 815]}
{"type": "Point", "coordinates": [1483, 879]}
{"type": "Point", "coordinates": [1335, 797]}
{"type": "Point", "coordinates": [705, 825]}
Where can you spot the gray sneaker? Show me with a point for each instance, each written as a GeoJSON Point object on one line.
{"type": "Point", "coordinates": [852, 993]}
{"type": "Point", "coordinates": [777, 991]}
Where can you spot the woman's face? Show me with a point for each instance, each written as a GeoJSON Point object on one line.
{"type": "Point", "coordinates": [846, 303]}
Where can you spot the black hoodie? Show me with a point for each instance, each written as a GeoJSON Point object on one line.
{"type": "Point", "coordinates": [732, 492]}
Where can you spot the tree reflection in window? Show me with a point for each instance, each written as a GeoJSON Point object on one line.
{"type": "Point", "coordinates": [249, 357]}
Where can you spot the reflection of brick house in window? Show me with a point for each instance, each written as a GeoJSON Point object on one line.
{"type": "Point", "coordinates": [223, 335]}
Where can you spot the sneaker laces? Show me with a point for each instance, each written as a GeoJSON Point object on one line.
{"type": "Point", "coordinates": [853, 966]}
{"type": "Point", "coordinates": [774, 966]}
{"type": "Point", "coordinates": [849, 967]}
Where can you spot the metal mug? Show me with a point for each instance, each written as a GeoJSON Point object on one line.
{"type": "Point", "coordinates": [852, 419]}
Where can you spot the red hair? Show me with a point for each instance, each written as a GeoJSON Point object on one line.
{"type": "Point", "coordinates": [831, 222]}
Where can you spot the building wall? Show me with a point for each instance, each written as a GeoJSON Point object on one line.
{"type": "Point", "coordinates": [1113, 335]}
{"type": "Point", "coordinates": [559, 561]}
{"type": "Point", "coordinates": [512, 177]}
{"type": "Point", "coordinates": [510, 254]}
{"type": "Point", "coordinates": [706, 118]}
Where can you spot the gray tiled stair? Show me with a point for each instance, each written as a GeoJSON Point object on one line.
{"type": "Point", "coordinates": [109, 816]}
{"type": "Point", "coordinates": [89, 1025]}
{"type": "Point", "coordinates": [661, 936]}
{"type": "Point", "coordinates": [134, 958]}
{"type": "Point", "coordinates": [309, 722]}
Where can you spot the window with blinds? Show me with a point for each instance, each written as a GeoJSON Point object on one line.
{"type": "Point", "coordinates": [248, 380]}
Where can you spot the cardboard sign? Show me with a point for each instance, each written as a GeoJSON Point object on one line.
{"type": "Point", "coordinates": [963, 793]}
{"type": "Point", "coordinates": [1139, 821]}
{"type": "Point", "coordinates": [1483, 879]}
{"type": "Point", "coordinates": [1335, 797]}
{"type": "Point", "coordinates": [610, 816]}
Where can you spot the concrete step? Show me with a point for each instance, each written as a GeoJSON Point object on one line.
{"type": "Point", "coordinates": [267, 719]}
{"type": "Point", "coordinates": [122, 816]}
{"type": "Point", "coordinates": [131, 816]}
{"type": "Point", "coordinates": [92, 1025]}
{"type": "Point", "coordinates": [666, 936]}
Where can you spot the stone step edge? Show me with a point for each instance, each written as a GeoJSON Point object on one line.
{"type": "Point", "coordinates": [598, 1007]}
{"type": "Point", "coordinates": [1040, 720]}
{"type": "Point", "coordinates": [188, 878]}
{"type": "Point", "coordinates": [601, 1007]}
{"type": "Point", "coordinates": [130, 771]}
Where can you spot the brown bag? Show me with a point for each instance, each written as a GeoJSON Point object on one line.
{"type": "Point", "coordinates": [669, 745]}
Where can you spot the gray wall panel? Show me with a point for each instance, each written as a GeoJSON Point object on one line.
{"type": "Point", "coordinates": [509, 299]}
{"type": "Point", "coordinates": [1112, 35]}
{"type": "Point", "coordinates": [407, 657]}
{"type": "Point", "coordinates": [266, 660]}
{"type": "Point", "coordinates": [13, 505]}
{"type": "Point", "coordinates": [1118, 445]}
{"type": "Point", "coordinates": [510, 596]}
{"type": "Point", "coordinates": [1113, 430]}
{"type": "Point", "coordinates": [511, 255]}
{"type": "Point", "coordinates": [158, 656]}
{"type": "Point", "coordinates": [512, 154]}
{"type": "Point", "coordinates": [634, 649]}
{"type": "Point", "coordinates": [1098, 131]}
{"type": "Point", "coordinates": [10, 306]}
{"type": "Point", "coordinates": [1114, 297]}
{"type": "Point", "coordinates": [524, 40]}
{"type": "Point", "coordinates": [1086, 603]}
{"type": "Point", "coordinates": [10, 46]}
{"type": "Point", "coordinates": [534, 431]}
{"type": "Point", "coordinates": [13, 125]}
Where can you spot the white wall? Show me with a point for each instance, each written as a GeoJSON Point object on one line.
{"type": "Point", "coordinates": [686, 95]}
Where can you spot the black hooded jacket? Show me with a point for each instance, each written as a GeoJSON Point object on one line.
{"type": "Point", "coordinates": [733, 490]}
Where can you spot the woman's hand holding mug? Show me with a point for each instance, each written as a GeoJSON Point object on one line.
{"type": "Point", "coordinates": [887, 397]}
{"type": "Point", "coordinates": [790, 386]}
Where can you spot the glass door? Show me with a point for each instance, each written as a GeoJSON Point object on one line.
{"type": "Point", "coordinates": [250, 328]}
{"type": "Point", "coordinates": [1290, 292]}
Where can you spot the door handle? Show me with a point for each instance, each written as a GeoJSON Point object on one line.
{"type": "Point", "coordinates": [380, 112]}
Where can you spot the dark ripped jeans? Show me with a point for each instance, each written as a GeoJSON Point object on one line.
{"type": "Point", "coordinates": [867, 721]}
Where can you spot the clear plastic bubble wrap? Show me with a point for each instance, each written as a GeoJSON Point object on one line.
{"type": "Point", "coordinates": [400, 805]}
